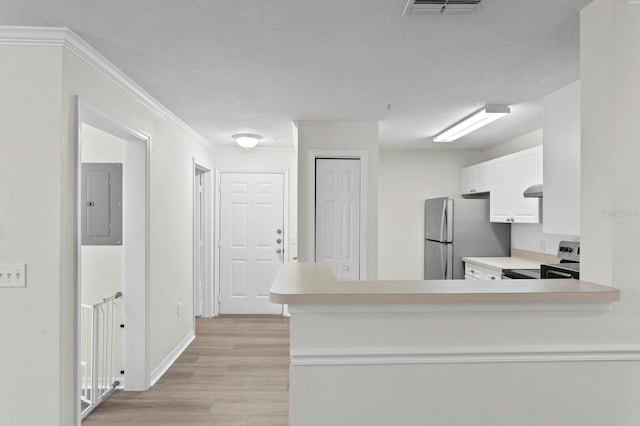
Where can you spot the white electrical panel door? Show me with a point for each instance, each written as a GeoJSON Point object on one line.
{"type": "Point", "coordinates": [101, 204]}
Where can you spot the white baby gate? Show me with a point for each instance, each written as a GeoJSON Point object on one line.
{"type": "Point", "coordinates": [98, 352]}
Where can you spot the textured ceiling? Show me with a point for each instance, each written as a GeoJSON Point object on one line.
{"type": "Point", "coordinates": [233, 66]}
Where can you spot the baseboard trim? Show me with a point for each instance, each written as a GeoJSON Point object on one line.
{"type": "Point", "coordinates": [166, 363]}
{"type": "Point", "coordinates": [463, 355]}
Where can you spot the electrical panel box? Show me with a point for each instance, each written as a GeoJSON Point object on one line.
{"type": "Point", "coordinates": [101, 204]}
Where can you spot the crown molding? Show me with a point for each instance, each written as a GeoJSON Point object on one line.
{"type": "Point", "coordinates": [66, 38]}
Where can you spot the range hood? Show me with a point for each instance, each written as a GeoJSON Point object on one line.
{"type": "Point", "coordinates": [534, 191]}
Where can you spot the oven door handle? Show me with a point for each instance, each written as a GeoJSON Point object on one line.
{"type": "Point", "coordinates": [558, 274]}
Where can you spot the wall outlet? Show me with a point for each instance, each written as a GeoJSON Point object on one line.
{"type": "Point", "coordinates": [178, 308]}
{"type": "Point", "coordinates": [13, 275]}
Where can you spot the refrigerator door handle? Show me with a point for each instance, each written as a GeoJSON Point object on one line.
{"type": "Point", "coordinates": [449, 221]}
{"type": "Point", "coordinates": [443, 222]}
{"type": "Point", "coordinates": [445, 260]}
{"type": "Point", "coordinates": [448, 270]}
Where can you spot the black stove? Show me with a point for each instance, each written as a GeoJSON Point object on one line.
{"type": "Point", "coordinates": [569, 266]}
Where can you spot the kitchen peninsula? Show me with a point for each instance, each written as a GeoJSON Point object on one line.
{"type": "Point", "coordinates": [442, 352]}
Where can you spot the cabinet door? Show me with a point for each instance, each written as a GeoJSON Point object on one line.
{"type": "Point", "coordinates": [468, 180]}
{"type": "Point", "coordinates": [499, 202]}
{"type": "Point", "coordinates": [482, 177]}
{"type": "Point", "coordinates": [525, 171]}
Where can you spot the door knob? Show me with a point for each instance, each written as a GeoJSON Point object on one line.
{"type": "Point", "coordinates": [278, 241]}
{"type": "Point", "coordinates": [279, 231]}
{"type": "Point", "coordinates": [279, 251]}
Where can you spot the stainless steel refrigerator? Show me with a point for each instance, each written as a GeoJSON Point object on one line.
{"type": "Point", "coordinates": [457, 228]}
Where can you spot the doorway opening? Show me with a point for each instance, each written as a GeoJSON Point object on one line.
{"type": "Point", "coordinates": [115, 271]}
{"type": "Point", "coordinates": [203, 292]}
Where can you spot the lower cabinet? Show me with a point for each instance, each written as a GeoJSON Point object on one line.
{"type": "Point", "coordinates": [474, 272]}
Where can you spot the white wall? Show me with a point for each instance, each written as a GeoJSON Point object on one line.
{"type": "Point", "coordinates": [339, 135]}
{"type": "Point", "coordinates": [406, 179]}
{"type": "Point", "coordinates": [520, 143]}
{"type": "Point", "coordinates": [561, 203]}
{"type": "Point", "coordinates": [171, 203]}
{"type": "Point", "coordinates": [30, 216]}
{"type": "Point", "coordinates": [600, 134]}
{"type": "Point", "coordinates": [38, 225]}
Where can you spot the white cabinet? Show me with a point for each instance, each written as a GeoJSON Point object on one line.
{"type": "Point", "coordinates": [476, 178]}
{"type": "Point", "coordinates": [510, 176]}
{"type": "Point", "coordinates": [490, 274]}
{"type": "Point", "coordinates": [474, 272]}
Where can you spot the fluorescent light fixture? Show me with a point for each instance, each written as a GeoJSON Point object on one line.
{"type": "Point", "coordinates": [476, 120]}
{"type": "Point", "coordinates": [247, 140]}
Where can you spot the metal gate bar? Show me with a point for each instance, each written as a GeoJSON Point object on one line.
{"type": "Point", "coordinates": [98, 352]}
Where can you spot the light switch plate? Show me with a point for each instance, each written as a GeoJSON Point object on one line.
{"type": "Point", "coordinates": [13, 275]}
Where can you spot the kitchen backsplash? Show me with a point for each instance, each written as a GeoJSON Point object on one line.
{"type": "Point", "coordinates": [529, 236]}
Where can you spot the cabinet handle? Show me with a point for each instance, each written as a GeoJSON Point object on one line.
{"type": "Point", "coordinates": [473, 190]}
{"type": "Point", "coordinates": [493, 277]}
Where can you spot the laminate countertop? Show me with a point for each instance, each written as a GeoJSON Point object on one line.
{"type": "Point", "coordinates": [314, 283]}
{"type": "Point", "coordinates": [500, 263]}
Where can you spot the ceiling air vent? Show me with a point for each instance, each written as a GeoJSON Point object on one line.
{"type": "Point", "coordinates": [440, 6]}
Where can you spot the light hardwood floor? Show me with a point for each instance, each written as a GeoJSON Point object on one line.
{"type": "Point", "coordinates": [236, 372]}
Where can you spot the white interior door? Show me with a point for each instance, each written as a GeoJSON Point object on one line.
{"type": "Point", "coordinates": [251, 240]}
{"type": "Point", "coordinates": [338, 216]}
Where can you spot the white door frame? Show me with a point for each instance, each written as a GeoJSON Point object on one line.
{"type": "Point", "coordinates": [285, 208]}
{"type": "Point", "coordinates": [338, 154]}
{"type": "Point", "coordinates": [208, 288]}
{"type": "Point", "coordinates": [136, 272]}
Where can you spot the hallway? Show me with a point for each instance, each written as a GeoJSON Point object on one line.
{"type": "Point", "coordinates": [236, 372]}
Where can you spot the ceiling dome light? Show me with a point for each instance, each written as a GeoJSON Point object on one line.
{"type": "Point", "coordinates": [247, 140]}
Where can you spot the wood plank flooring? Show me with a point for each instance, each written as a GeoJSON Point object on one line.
{"type": "Point", "coordinates": [236, 372]}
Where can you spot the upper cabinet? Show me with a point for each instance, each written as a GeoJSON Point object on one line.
{"type": "Point", "coordinates": [561, 140]}
{"type": "Point", "coordinates": [476, 179]}
{"type": "Point", "coordinates": [510, 176]}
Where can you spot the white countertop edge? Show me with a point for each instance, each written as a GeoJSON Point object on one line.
{"type": "Point", "coordinates": [449, 307]}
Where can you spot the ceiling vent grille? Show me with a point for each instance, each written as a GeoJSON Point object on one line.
{"type": "Point", "coordinates": [440, 6]}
